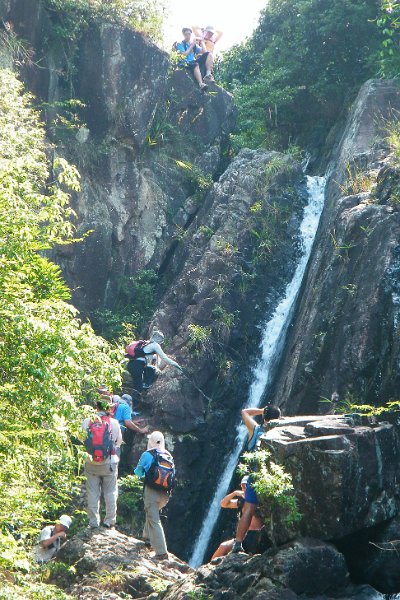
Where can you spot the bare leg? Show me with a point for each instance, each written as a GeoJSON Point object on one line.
{"type": "Point", "coordinates": [209, 64]}
{"type": "Point", "coordinates": [197, 75]}
{"type": "Point", "coordinates": [223, 549]}
{"type": "Point", "coordinates": [245, 520]}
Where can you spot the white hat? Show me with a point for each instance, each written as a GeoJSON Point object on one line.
{"type": "Point", "coordinates": [209, 28]}
{"type": "Point", "coordinates": [157, 336]}
{"type": "Point", "coordinates": [156, 440]}
{"type": "Point", "coordinates": [65, 520]}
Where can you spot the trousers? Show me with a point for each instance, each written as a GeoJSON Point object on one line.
{"type": "Point", "coordinates": [101, 478]}
{"type": "Point", "coordinates": [154, 501]}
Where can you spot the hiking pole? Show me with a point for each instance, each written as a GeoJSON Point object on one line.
{"type": "Point", "coordinates": [190, 378]}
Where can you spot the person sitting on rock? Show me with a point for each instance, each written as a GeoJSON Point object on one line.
{"type": "Point", "coordinates": [138, 362]}
{"type": "Point", "coordinates": [196, 58]}
{"type": "Point", "coordinates": [51, 538]}
{"type": "Point", "coordinates": [235, 500]}
{"type": "Point", "coordinates": [101, 470]}
{"type": "Point", "coordinates": [154, 497]}
{"type": "Point", "coordinates": [250, 497]}
{"type": "Point", "coordinates": [209, 35]}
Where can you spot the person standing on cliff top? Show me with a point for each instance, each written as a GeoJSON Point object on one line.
{"type": "Point", "coordinates": [195, 58]}
{"type": "Point", "coordinates": [255, 430]}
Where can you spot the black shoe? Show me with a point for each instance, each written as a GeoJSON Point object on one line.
{"type": "Point", "coordinates": [108, 526]}
{"type": "Point", "coordinates": [237, 547]}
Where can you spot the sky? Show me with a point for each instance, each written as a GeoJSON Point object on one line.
{"type": "Point", "coordinates": [236, 19]}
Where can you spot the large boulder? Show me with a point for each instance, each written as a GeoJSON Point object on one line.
{"type": "Point", "coordinates": [345, 474]}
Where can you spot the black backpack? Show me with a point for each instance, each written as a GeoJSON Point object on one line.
{"type": "Point", "coordinates": [161, 475]}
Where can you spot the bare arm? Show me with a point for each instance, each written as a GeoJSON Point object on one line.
{"type": "Point", "coordinates": [197, 30]}
{"type": "Point", "coordinates": [131, 425]}
{"type": "Point", "coordinates": [52, 539]}
{"type": "Point", "coordinates": [218, 36]}
{"type": "Point", "coordinates": [247, 417]}
{"type": "Point", "coordinates": [189, 50]}
{"type": "Point", "coordinates": [230, 500]}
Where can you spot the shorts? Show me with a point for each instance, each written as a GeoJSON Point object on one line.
{"type": "Point", "coordinates": [201, 61]}
{"type": "Point", "coordinates": [251, 542]}
{"type": "Point", "coordinates": [250, 495]}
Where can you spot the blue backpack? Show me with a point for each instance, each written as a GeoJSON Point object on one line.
{"type": "Point", "coordinates": [161, 475]}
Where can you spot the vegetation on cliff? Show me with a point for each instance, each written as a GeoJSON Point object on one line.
{"type": "Point", "coordinates": [305, 60]}
{"type": "Point", "coordinates": [49, 361]}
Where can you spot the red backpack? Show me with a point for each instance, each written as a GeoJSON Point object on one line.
{"type": "Point", "coordinates": [99, 442]}
{"type": "Point", "coordinates": [135, 349]}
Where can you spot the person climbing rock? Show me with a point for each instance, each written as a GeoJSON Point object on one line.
{"type": "Point", "coordinates": [137, 353]}
{"type": "Point", "coordinates": [51, 539]}
{"type": "Point", "coordinates": [156, 467]}
{"type": "Point", "coordinates": [121, 410]}
{"type": "Point", "coordinates": [255, 430]}
{"type": "Point", "coordinates": [103, 443]}
{"type": "Point", "coordinates": [195, 57]}
{"type": "Point", "coordinates": [235, 501]}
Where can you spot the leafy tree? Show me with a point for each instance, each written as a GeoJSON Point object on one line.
{"type": "Point", "coordinates": [389, 26]}
{"type": "Point", "coordinates": [49, 360]}
{"type": "Point", "coordinates": [293, 76]}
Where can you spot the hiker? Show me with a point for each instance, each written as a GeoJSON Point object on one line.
{"type": "Point", "coordinates": [101, 470]}
{"type": "Point", "coordinates": [137, 352]}
{"type": "Point", "coordinates": [156, 467]}
{"type": "Point", "coordinates": [209, 35]}
{"type": "Point", "coordinates": [51, 539]}
{"type": "Point", "coordinates": [250, 497]}
{"type": "Point", "coordinates": [122, 412]}
{"type": "Point", "coordinates": [196, 58]}
{"type": "Point", "coordinates": [235, 500]}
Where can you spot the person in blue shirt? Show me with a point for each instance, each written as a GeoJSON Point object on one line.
{"type": "Point", "coordinates": [254, 430]}
{"type": "Point", "coordinates": [154, 499]}
{"type": "Point", "coordinates": [195, 58]}
{"type": "Point", "coordinates": [123, 414]}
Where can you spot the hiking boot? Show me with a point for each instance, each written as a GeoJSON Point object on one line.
{"type": "Point", "coordinates": [237, 547]}
{"type": "Point", "coordinates": [203, 87]}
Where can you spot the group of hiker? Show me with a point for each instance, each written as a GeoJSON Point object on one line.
{"type": "Point", "coordinates": [196, 52]}
{"type": "Point", "coordinates": [105, 432]}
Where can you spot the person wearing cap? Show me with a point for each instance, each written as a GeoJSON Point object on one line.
{"type": "Point", "coordinates": [209, 35]}
{"type": "Point", "coordinates": [51, 539]}
{"type": "Point", "coordinates": [195, 57]}
{"type": "Point", "coordinates": [254, 430]}
{"type": "Point", "coordinates": [123, 414]}
{"type": "Point", "coordinates": [154, 499]}
{"type": "Point", "coordinates": [137, 366]}
{"type": "Point", "coordinates": [101, 477]}
{"type": "Point", "coordinates": [235, 501]}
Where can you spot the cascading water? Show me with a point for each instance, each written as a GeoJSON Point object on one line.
{"type": "Point", "coordinates": [273, 334]}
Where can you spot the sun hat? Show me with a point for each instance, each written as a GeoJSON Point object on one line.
{"type": "Point", "coordinates": [156, 440]}
{"type": "Point", "coordinates": [157, 336]}
{"type": "Point", "coordinates": [65, 520]}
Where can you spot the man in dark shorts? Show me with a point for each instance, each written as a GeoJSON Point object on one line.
{"type": "Point", "coordinates": [235, 500]}
{"type": "Point", "coordinates": [255, 430]}
{"type": "Point", "coordinates": [195, 58]}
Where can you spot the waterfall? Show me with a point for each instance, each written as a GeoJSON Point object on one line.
{"type": "Point", "coordinates": [274, 331]}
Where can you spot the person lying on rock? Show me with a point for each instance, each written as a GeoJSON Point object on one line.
{"type": "Point", "coordinates": [156, 467]}
{"type": "Point", "coordinates": [138, 352]}
{"type": "Point", "coordinates": [209, 35]}
{"type": "Point", "coordinates": [51, 539]}
{"type": "Point", "coordinates": [254, 430]}
{"type": "Point", "coordinates": [195, 58]}
{"type": "Point", "coordinates": [235, 500]}
{"type": "Point", "coordinates": [103, 444]}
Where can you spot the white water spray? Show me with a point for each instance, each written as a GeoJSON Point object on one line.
{"type": "Point", "coordinates": [273, 334]}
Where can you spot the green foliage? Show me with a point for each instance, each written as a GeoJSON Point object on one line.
{"type": "Point", "coordinates": [389, 27]}
{"type": "Point", "coordinates": [49, 360]}
{"type": "Point", "coordinates": [134, 305]}
{"type": "Point", "coordinates": [130, 503]}
{"type": "Point", "coordinates": [199, 338]}
{"type": "Point", "coordinates": [73, 16]}
{"type": "Point", "coordinates": [273, 487]}
{"type": "Point", "coordinates": [303, 62]}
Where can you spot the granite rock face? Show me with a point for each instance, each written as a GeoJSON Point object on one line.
{"type": "Point", "coordinates": [343, 346]}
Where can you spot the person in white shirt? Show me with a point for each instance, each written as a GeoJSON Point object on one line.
{"type": "Point", "coordinates": [136, 365]}
{"type": "Point", "coordinates": [51, 539]}
{"type": "Point", "coordinates": [101, 476]}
